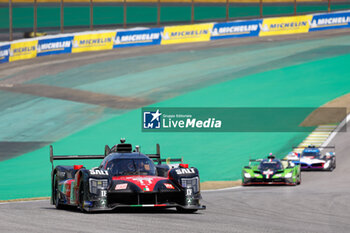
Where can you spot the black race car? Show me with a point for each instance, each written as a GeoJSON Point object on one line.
{"type": "Point", "coordinates": [125, 178]}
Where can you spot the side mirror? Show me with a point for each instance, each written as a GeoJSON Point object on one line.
{"type": "Point", "coordinates": [107, 150]}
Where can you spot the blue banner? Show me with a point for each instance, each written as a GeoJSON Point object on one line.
{"type": "Point", "coordinates": [330, 21]}
{"type": "Point", "coordinates": [54, 46]}
{"type": "Point", "coordinates": [138, 38]}
{"type": "Point", "coordinates": [4, 53]}
{"type": "Point", "coordinates": [236, 29]}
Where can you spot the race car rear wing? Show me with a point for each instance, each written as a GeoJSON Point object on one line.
{"type": "Point", "coordinates": [320, 147]}
{"type": "Point", "coordinates": [71, 157]}
{"type": "Point", "coordinates": [254, 160]}
{"type": "Point", "coordinates": [285, 159]}
{"type": "Point", "coordinates": [156, 157]}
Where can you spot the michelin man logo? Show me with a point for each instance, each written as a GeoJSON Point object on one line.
{"type": "Point", "coordinates": [151, 120]}
{"type": "Point", "coordinates": [264, 27]}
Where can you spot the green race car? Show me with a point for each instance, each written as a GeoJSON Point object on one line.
{"type": "Point", "coordinates": [271, 171]}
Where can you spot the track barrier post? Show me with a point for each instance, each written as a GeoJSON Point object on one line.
{"type": "Point", "coordinates": [124, 7]}
{"type": "Point", "coordinates": [10, 21]}
{"type": "Point", "coordinates": [35, 17]}
{"type": "Point", "coordinates": [91, 15]}
{"type": "Point", "coordinates": [158, 13]}
{"type": "Point", "coordinates": [62, 16]}
{"type": "Point", "coordinates": [227, 10]}
{"type": "Point", "coordinates": [192, 11]}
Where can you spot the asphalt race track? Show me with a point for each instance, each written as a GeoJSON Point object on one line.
{"type": "Point", "coordinates": [320, 204]}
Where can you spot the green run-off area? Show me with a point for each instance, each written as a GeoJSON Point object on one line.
{"type": "Point", "coordinates": [49, 15]}
{"type": "Point", "coordinates": [219, 156]}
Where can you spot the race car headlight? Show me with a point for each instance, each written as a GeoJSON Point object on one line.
{"type": "Point", "coordinates": [326, 165]}
{"type": "Point", "coordinates": [288, 175]}
{"type": "Point", "coordinates": [191, 183]}
{"type": "Point", "coordinates": [247, 175]}
{"type": "Point", "coordinates": [96, 184]}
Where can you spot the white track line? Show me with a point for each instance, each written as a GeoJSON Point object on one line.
{"type": "Point", "coordinates": [329, 139]}
{"type": "Point", "coordinates": [223, 189]}
{"type": "Point", "coordinates": [10, 202]}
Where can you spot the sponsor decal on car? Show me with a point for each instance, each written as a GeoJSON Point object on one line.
{"type": "Point", "coordinates": [268, 173]}
{"type": "Point", "coordinates": [98, 172]}
{"type": "Point", "coordinates": [121, 186]}
{"type": "Point", "coordinates": [169, 186]}
{"type": "Point", "coordinates": [185, 171]}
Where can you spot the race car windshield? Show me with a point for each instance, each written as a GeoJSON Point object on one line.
{"type": "Point", "coordinates": [270, 165]}
{"type": "Point", "coordinates": [310, 154]}
{"type": "Point", "coordinates": [122, 167]}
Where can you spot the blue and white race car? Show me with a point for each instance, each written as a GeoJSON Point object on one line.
{"type": "Point", "coordinates": [312, 159]}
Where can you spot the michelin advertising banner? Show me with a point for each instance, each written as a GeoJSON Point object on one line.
{"type": "Point", "coordinates": [330, 21]}
{"type": "Point", "coordinates": [23, 50]}
{"type": "Point", "coordinates": [235, 29]}
{"type": "Point", "coordinates": [54, 46]}
{"type": "Point", "coordinates": [106, 40]}
{"type": "Point", "coordinates": [285, 25]}
{"type": "Point", "coordinates": [138, 37]}
{"type": "Point", "coordinates": [4, 53]}
{"type": "Point", "coordinates": [187, 33]}
{"type": "Point", "coordinates": [93, 42]}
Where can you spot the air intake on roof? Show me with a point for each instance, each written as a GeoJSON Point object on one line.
{"type": "Point", "coordinates": [123, 147]}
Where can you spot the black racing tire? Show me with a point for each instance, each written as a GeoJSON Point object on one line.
{"type": "Point", "coordinates": [56, 198]}
{"type": "Point", "coordinates": [187, 211]}
{"type": "Point", "coordinates": [81, 196]}
{"type": "Point", "coordinates": [299, 180]}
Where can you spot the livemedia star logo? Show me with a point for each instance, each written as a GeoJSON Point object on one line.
{"type": "Point", "coordinates": [151, 120]}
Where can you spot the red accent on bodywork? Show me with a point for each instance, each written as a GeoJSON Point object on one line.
{"type": "Point", "coordinates": [183, 165]}
{"type": "Point", "coordinates": [76, 187]}
{"type": "Point", "coordinates": [68, 185]}
{"type": "Point", "coordinates": [77, 167]}
{"type": "Point", "coordinates": [143, 182]}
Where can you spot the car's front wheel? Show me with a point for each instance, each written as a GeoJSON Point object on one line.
{"type": "Point", "coordinates": [81, 196]}
{"type": "Point", "coordinates": [56, 196]}
{"type": "Point", "coordinates": [299, 180]}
